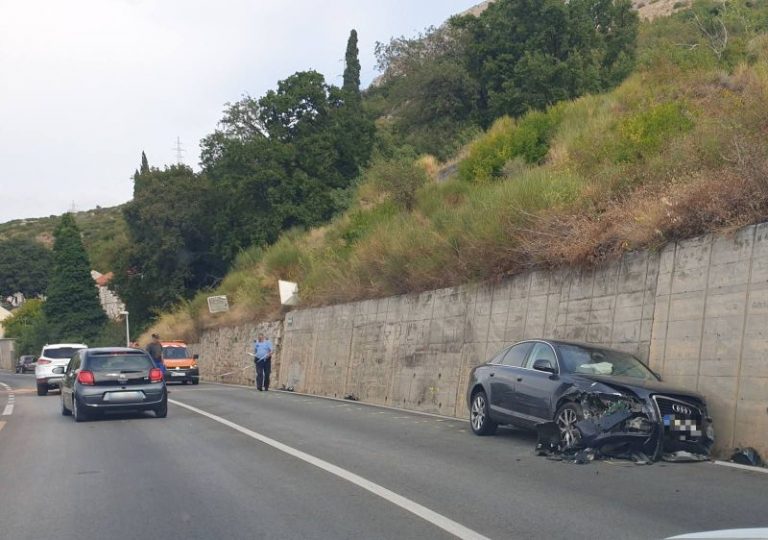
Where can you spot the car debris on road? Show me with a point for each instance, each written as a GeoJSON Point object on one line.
{"type": "Point", "coordinates": [621, 426]}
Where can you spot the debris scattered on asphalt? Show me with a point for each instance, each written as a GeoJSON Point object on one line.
{"type": "Point", "coordinates": [747, 456]}
{"type": "Point", "coordinates": [351, 397]}
{"type": "Point", "coordinates": [286, 388]}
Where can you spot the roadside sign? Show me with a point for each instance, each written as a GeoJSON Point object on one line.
{"type": "Point", "coordinates": [218, 304]}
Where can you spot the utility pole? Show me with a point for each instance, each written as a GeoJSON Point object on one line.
{"type": "Point", "coordinates": [179, 152]}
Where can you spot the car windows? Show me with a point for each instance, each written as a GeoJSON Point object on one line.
{"type": "Point", "coordinates": [515, 355]}
{"type": "Point", "coordinates": [74, 363]}
{"type": "Point", "coordinates": [595, 361]}
{"type": "Point", "coordinates": [60, 353]}
{"type": "Point", "coordinates": [175, 353]}
{"type": "Point", "coordinates": [119, 362]}
{"type": "Point", "coordinates": [541, 351]}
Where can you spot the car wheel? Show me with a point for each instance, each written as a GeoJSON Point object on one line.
{"type": "Point", "coordinates": [77, 412]}
{"type": "Point", "coordinates": [162, 410]}
{"type": "Point", "coordinates": [566, 418]}
{"type": "Point", "coordinates": [64, 410]}
{"type": "Point", "coordinates": [195, 381]}
{"type": "Point", "coordinates": [479, 417]}
{"type": "Point", "coordinates": [42, 389]}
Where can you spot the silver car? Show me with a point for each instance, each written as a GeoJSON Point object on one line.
{"type": "Point", "coordinates": [51, 357]}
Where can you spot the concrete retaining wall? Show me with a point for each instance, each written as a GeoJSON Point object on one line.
{"type": "Point", "coordinates": [223, 353]}
{"type": "Point", "coordinates": [7, 354]}
{"type": "Point", "coordinates": [697, 313]}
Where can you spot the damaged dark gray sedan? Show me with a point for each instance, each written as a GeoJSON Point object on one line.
{"type": "Point", "coordinates": [583, 397]}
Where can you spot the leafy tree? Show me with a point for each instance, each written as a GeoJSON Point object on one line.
{"type": "Point", "coordinates": [28, 327]}
{"type": "Point", "coordinates": [72, 307]}
{"type": "Point", "coordinates": [24, 267]}
{"type": "Point", "coordinates": [169, 256]}
{"type": "Point", "coordinates": [532, 53]}
{"type": "Point", "coordinates": [287, 159]}
{"type": "Point", "coordinates": [428, 89]}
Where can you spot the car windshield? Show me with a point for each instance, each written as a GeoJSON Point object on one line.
{"type": "Point", "coordinates": [119, 362]}
{"type": "Point", "coordinates": [60, 352]}
{"type": "Point", "coordinates": [593, 361]}
{"type": "Point", "coordinates": [175, 353]}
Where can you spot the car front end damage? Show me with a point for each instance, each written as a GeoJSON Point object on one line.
{"type": "Point", "coordinates": [621, 424]}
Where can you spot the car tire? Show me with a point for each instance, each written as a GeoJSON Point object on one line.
{"type": "Point", "coordinates": [195, 381]}
{"type": "Point", "coordinates": [565, 419]}
{"type": "Point", "coordinates": [64, 410]}
{"type": "Point", "coordinates": [162, 410]}
{"type": "Point", "coordinates": [77, 412]}
{"type": "Point", "coordinates": [479, 417]}
{"type": "Point", "coordinates": [42, 389]}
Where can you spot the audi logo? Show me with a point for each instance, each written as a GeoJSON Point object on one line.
{"type": "Point", "coordinates": [682, 409]}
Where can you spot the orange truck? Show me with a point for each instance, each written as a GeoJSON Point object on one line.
{"type": "Point", "coordinates": [180, 366]}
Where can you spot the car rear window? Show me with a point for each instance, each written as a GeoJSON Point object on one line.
{"type": "Point", "coordinates": [60, 352]}
{"type": "Point", "coordinates": [119, 362]}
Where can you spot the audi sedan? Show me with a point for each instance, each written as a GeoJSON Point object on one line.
{"type": "Point", "coordinates": [112, 379]}
{"type": "Point", "coordinates": [590, 396]}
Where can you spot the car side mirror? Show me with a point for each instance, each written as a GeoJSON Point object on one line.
{"type": "Point", "coordinates": [58, 370]}
{"type": "Point", "coordinates": [544, 365]}
{"type": "Point", "coordinates": [195, 356]}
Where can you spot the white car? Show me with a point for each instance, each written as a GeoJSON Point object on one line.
{"type": "Point", "coordinates": [51, 357]}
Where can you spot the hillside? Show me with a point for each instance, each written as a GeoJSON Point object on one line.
{"type": "Point", "coordinates": [103, 233]}
{"type": "Point", "coordinates": [648, 9]}
{"type": "Point", "coordinates": [676, 150]}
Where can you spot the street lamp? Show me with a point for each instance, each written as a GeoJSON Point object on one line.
{"type": "Point", "coordinates": [127, 329]}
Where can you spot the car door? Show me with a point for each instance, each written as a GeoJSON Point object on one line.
{"type": "Point", "coordinates": [68, 384]}
{"type": "Point", "coordinates": [532, 399]}
{"type": "Point", "coordinates": [504, 376]}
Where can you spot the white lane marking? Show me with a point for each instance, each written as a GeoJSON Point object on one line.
{"type": "Point", "coordinates": [742, 467]}
{"type": "Point", "coordinates": [8, 411]}
{"type": "Point", "coordinates": [448, 525]}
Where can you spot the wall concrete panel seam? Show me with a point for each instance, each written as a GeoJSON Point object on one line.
{"type": "Point", "coordinates": [669, 307]}
{"type": "Point", "coordinates": [743, 335]}
{"type": "Point", "coordinates": [704, 311]}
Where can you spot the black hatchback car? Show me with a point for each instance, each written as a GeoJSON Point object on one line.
{"type": "Point", "coordinates": [112, 379]}
{"type": "Point", "coordinates": [26, 363]}
{"type": "Point", "coordinates": [536, 383]}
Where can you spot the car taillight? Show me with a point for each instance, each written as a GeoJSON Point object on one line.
{"type": "Point", "coordinates": [43, 361]}
{"type": "Point", "coordinates": [155, 375]}
{"type": "Point", "coordinates": [85, 377]}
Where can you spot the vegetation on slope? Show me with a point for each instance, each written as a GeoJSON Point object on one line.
{"type": "Point", "coordinates": [676, 150]}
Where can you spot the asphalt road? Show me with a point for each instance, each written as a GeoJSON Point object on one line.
{"type": "Point", "coordinates": [279, 465]}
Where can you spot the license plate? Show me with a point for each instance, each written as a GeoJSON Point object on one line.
{"type": "Point", "coordinates": [178, 374]}
{"type": "Point", "coordinates": [122, 397]}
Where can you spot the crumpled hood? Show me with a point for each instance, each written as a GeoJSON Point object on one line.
{"type": "Point", "coordinates": [632, 385]}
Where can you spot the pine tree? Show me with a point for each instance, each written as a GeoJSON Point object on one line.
{"type": "Point", "coordinates": [144, 164]}
{"type": "Point", "coordinates": [72, 307]}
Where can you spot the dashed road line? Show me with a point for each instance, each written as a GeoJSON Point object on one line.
{"type": "Point", "coordinates": [456, 529]}
{"type": "Point", "coordinates": [8, 411]}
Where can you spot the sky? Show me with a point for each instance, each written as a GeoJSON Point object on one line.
{"type": "Point", "coordinates": [87, 85]}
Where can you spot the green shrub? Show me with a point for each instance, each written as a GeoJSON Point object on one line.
{"type": "Point", "coordinates": [527, 138]}
{"type": "Point", "coordinates": [644, 133]}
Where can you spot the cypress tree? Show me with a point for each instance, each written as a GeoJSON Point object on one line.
{"type": "Point", "coordinates": [72, 307]}
{"type": "Point", "coordinates": [351, 84]}
{"type": "Point", "coordinates": [144, 164]}
{"type": "Point", "coordinates": [354, 128]}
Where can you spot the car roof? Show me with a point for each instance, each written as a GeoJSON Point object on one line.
{"type": "Point", "coordinates": [174, 343]}
{"type": "Point", "coordinates": [103, 350]}
{"type": "Point", "coordinates": [65, 345]}
{"type": "Point", "coordinates": [575, 343]}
